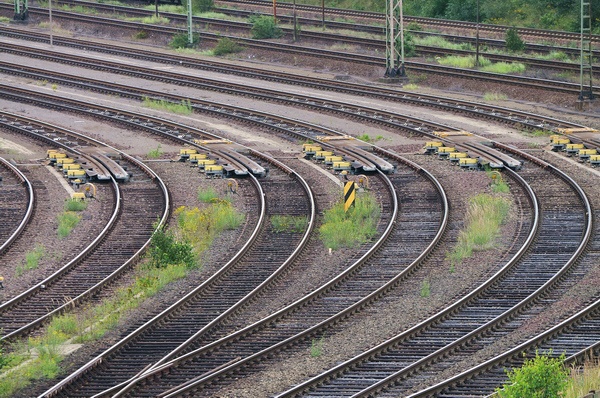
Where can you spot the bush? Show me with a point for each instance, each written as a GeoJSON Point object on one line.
{"type": "Point", "coordinates": [514, 43]}
{"type": "Point", "coordinates": [226, 46]}
{"type": "Point", "coordinates": [165, 250]}
{"type": "Point", "coordinates": [540, 377]}
{"type": "Point", "coordinates": [180, 40]}
{"type": "Point", "coordinates": [200, 6]}
{"type": "Point", "coordinates": [264, 27]}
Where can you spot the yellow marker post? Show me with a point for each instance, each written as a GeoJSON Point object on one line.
{"type": "Point", "coordinates": [349, 195]}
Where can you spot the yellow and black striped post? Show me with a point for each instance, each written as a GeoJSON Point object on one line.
{"type": "Point", "coordinates": [349, 195]}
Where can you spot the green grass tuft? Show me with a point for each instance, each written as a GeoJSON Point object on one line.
{"type": "Point", "coordinates": [357, 226]}
{"type": "Point", "coordinates": [66, 222]}
{"type": "Point", "coordinates": [182, 108]}
{"type": "Point", "coordinates": [296, 224]}
{"type": "Point", "coordinates": [485, 215]}
{"type": "Point", "coordinates": [32, 260]}
{"type": "Point", "coordinates": [75, 205]}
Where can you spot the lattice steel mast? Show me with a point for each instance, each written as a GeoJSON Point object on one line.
{"type": "Point", "coordinates": [586, 51]}
{"type": "Point", "coordinates": [394, 48]}
{"type": "Point", "coordinates": [21, 10]}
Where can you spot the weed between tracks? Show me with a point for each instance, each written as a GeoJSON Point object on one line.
{"type": "Point", "coordinates": [347, 229]}
{"type": "Point", "coordinates": [167, 261]}
{"type": "Point", "coordinates": [485, 214]}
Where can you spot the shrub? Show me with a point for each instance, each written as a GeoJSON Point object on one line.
{"type": "Point", "coordinates": [180, 40]}
{"type": "Point", "coordinates": [141, 35]}
{"type": "Point", "coordinates": [514, 43]}
{"type": "Point", "coordinates": [155, 153]}
{"type": "Point", "coordinates": [484, 216]}
{"type": "Point", "coordinates": [264, 27]}
{"type": "Point", "coordinates": [199, 6]}
{"type": "Point", "coordinates": [165, 250]}
{"type": "Point", "coordinates": [226, 46]}
{"type": "Point", "coordinates": [542, 377]}
{"type": "Point", "coordinates": [207, 195]}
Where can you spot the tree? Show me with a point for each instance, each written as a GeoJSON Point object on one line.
{"type": "Point", "coordinates": [540, 377]}
{"type": "Point", "coordinates": [514, 43]}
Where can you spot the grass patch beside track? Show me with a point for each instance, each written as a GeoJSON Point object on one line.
{"type": "Point", "coordinates": [182, 108]}
{"type": "Point", "coordinates": [485, 214]}
{"type": "Point", "coordinates": [40, 357]}
{"type": "Point", "coordinates": [355, 227]}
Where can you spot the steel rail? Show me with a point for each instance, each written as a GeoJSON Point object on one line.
{"type": "Point", "coordinates": [306, 385]}
{"type": "Point", "coordinates": [529, 344]}
{"type": "Point", "coordinates": [228, 25]}
{"type": "Point", "coordinates": [243, 301]}
{"type": "Point", "coordinates": [179, 303]}
{"type": "Point", "coordinates": [571, 88]}
{"type": "Point", "coordinates": [365, 301]}
{"type": "Point", "coordinates": [492, 324]}
{"type": "Point", "coordinates": [479, 110]}
{"type": "Point", "coordinates": [30, 205]}
{"type": "Point", "coordinates": [514, 353]}
{"type": "Point", "coordinates": [374, 115]}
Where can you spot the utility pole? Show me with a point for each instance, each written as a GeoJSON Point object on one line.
{"type": "Point", "coordinates": [189, 21]}
{"type": "Point", "coordinates": [394, 27]}
{"type": "Point", "coordinates": [275, 10]}
{"type": "Point", "coordinates": [323, 13]}
{"type": "Point", "coordinates": [477, 39]}
{"type": "Point", "coordinates": [295, 26]}
{"type": "Point", "coordinates": [50, 19]}
{"type": "Point", "coordinates": [585, 71]}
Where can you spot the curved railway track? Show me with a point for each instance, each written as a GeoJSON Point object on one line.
{"type": "Point", "coordinates": [477, 110]}
{"type": "Point", "coordinates": [194, 386]}
{"type": "Point", "coordinates": [419, 226]}
{"type": "Point", "coordinates": [139, 205]}
{"type": "Point", "coordinates": [543, 84]}
{"type": "Point", "coordinates": [265, 255]}
{"type": "Point", "coordinates": [576, 337]}
{"type": "Point", "coordinates": [17, 201]}
{"type": "Point", "coordinates": [417, 355]}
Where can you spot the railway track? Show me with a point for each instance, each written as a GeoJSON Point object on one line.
{"type": "Point", "coordinates": [434, 22]}
{"type": "Point", "coordinates": [266, 253]}
{"type": "Point", "coordinates": [375, 273]}
{"type": "Point", "coordinates": [576, 337]}
{"type": "Point", "coordinates": [544, 84]}
{"type": "Point", "coordinates": [139, 205]}
{"type": "Point", "coordinates": [288, 126]}
{"type": "Point", "coordinates": [371, 43]}
{"type": "Point", "coordinates": [17, 203]}
{"type": "Point", "coordinates": [477, 110]}
{"type": "Point", "coordinates": [416, 356]}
